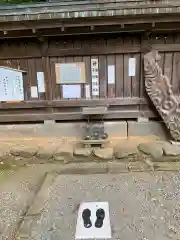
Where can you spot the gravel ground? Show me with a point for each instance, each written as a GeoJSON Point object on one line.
{"type": "Point", "coordinates": [17, 191]}
{"type": "Point", "coordinates": [143, 206]}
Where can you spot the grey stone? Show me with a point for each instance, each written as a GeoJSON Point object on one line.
{"type": "Point", "coordinates": [117, 167]}
{"type": "Point", "coordinates": [65, 129]}
{"type": "Point", "coordinates": [138, 166]}
{"type": "Point", "coordinates": [167, 166]}
{"type": "Point", "coordinates": [125, 151]}
{"type": "Point", "coordinates": [171, 150]}
{"type": "Point", "coordinates": [116, 128]}
{"type": "Point", "coordinates": [23, 151]}
{"type": "Point", "coordinates": [59, 158]}
{"type": "Point", "coordinates": [64, 153]}
{"type": "Point", "coordinates": [46, 153]}
{"type": "Point", "coordinates": [104, 153]}
{"type": "Point", "coordinates": [82, 152]}
{"type": "Point", "coordinates": [83, 168]}
{"type": "Point", "coordinates": [77, 129]}
{"type": "Point", "coordinates": [151, 128]}
{"type": "Point", "coordinates": [151, 148]}
{"type": "Point", "coordinates": [47, 122]}
{"type": "Point", "coordinates": [18, 130]}
{"type": "Point", "coordinates": [143, 119]}
{"type": "Point", "coordinates": [4, 154]}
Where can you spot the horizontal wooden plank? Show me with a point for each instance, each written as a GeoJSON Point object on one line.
{"type": "Point", "coordinates": [77, 27]}
{"type": "Point", "coordinates": [74, 103]}
{"type": "Point", "coordinates": [100, 102]}
{"type": "Point", "coordinates": [24, 117]}
{"type": "Point", "coordinates": [26, 105]}
{"type": "Point", "coordinates": [20, 29]}
{"type": "Point", "coordinates": [111, 115]}
{"type": "Point", "coordinates": [72, 116]}
{"type": "Point", "coordinates": [111, 50]}
{"type": "Point", "coordinates": [94, 110]}
{"type": "Point", "coordinates": [102, 50]}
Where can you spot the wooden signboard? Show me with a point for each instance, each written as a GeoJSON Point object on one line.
{"type": "Point", "coordinates": [70, 73]}
{"type": "Point", "coordinates": [11, 85]}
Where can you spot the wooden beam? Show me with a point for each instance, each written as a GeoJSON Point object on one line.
{"type": "Point", "coordinates": [26, 105]}
{"type": "Point", "coordinates": [101, 21]}
{"type": "Point", "coordinates": [29, 117]}
{"type": "Point", "coordinates": [77, 26]}
{"type": "Point", "coordinates": [111, 115]}
{"type": "Point", "coordinates": [68, 31]}
{"type": "Point", "coordinates": [109, 50]}
{"type": "Point", "coordinates": [101, 102]}
{"type": "Point", "coordinates": [102, 50]}
{"type": "Point", "coordinates": [25, 117]}
{"type": "Point", "coordinates": [74, 103]}
{"type": "Point", "coordinates": [54, 29]}
{"type": "Point", "coordinates": [101, 8]}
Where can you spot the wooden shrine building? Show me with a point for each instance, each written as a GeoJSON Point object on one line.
{"type": "Point", "coordinates": [73, 54]}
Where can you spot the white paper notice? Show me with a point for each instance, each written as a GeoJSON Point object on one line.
{"type": "Point", "coordinates": [89, 226]}
{"type": "Point", "coordinates": [70, 73]}
{"type": "Point", "coordinates": [71, 91]}
{"type": "Point", "coordinates": [40, 81]}
{"type": "Point", "coordinates": [87, 88]}
{"type": "Point", "coordinates": [111, 74]}
{"type": "Point", "coordinates": [34, 92]}
{"type": "Point", "coordinates": [11, 85]}
{"type": "Point", "coordinates": [95, 77]}
{"type": "Point", "coordinates": [132, 67]}
{"type": "Point", "coordinates": [94, 66]}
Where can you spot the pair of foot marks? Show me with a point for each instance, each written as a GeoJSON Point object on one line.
{"type": "Point", "coordinates": [100, 214]}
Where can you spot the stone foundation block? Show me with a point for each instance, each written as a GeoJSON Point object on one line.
{"type": "Point", "coordinates": [145, 129]}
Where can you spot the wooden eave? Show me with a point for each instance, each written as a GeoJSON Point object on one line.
{"type": "Point", "coordinates": [87, 9]}
{"type": "Point", "coordinates": [86, 17]}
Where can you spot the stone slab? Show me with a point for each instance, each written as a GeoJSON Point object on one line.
{"type": "Point", "coordinates": [116, 128]}
{"type": "Point", "coordinates": [44, 192]}
{"type": "Point", "coordinates": [70, 129]}
{"type": "Point", "coordinates": [151, 148]}
{"type": "Point", "coordinates": [104, 154]}
{"type": "Point", "coordinates": [83, 168]}
{"type": "Point", "coordinates": [143, 129]}
{"type": "Point", "coordinates": [94, 142]}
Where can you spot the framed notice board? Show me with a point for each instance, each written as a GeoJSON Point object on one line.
{"type": "Point", "coordinates": [11, 85]}
{"type": "Point", "coordinates": [70, 73]}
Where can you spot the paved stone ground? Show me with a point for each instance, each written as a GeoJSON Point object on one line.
{"type": "Point", "coordinates": [143, 206]}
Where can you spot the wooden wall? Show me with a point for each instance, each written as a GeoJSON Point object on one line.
{"type": "Point", "coordinates": [126, 97]}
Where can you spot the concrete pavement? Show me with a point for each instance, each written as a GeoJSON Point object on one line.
{"type": "Point", "coordinates": [143, 206]}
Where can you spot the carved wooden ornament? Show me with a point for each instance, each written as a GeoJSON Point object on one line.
{"type": "Point", "coordinates": [159, 90]}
